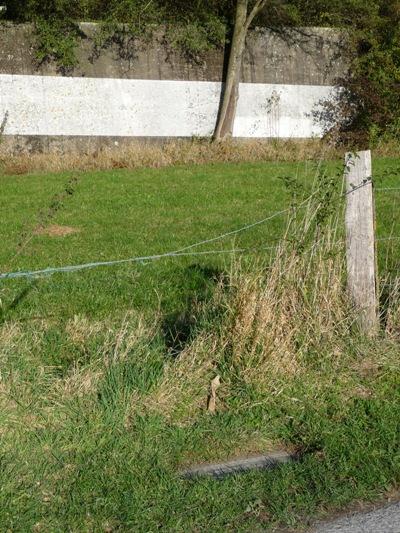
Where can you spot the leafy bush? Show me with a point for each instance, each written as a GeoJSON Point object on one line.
{"type": "Point", "coordinates": [57, 39]}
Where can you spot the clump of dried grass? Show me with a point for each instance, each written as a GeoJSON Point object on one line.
{"type": "Point", "coordinates": [112, 346]}
{"type": "Point", "coordinates": [16, 354]}
{"type": "Point", "coordinates": [274, 316]}
{"type": "Point", "coordinates": [10, 333]}
{"type": "Point", "coordinates": [79, 382]}
{"type": "Point", "coordinates": [184, 387]}
{"type": "Point", "coordinates": [278, 314]}
{"type": "Point", "coordinates": [139, 154]}
{"type": "Point", "coordinates": [280, 321]}
{"type": "Point", "coordinates": [134, 333]}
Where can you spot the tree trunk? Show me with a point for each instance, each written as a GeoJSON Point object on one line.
{"type": "Point", "coordinates": [226, 117]}
{"type": "Point", "coordinates": [227, 113]}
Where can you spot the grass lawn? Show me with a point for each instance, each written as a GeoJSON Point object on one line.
{"type": "Point", "coordinates": [122, 214]}
{"type": "Point", "coordinates": [82, 352]}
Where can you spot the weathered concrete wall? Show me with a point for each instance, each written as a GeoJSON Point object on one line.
{"type": "Point", "coordinates": [305, 57]}
{"type": "Point", "coordinates": [50, 105]}
{"type": "Point", "coordinates": [150, 90]}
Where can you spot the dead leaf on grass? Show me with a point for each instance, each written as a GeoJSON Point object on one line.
{"type": "Point", "coordinates": [212, 398]}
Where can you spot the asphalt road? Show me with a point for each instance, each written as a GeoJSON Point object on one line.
{"type": "Point", "coordinates": [383, 520]}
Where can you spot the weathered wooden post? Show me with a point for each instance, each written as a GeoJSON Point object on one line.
{"type": "Point", "coordinates": [360, 239]}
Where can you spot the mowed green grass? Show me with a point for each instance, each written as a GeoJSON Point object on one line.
{"type": "Point", "coordinates": [75, 455]}
{"type": "Point", "coordinates": [122, 214]}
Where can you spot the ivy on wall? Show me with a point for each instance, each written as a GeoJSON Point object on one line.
{"type": "Point", "coordinates": [192, 27]}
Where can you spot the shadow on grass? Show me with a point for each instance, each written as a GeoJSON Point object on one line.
{"type": "Point", "coordinates": [178, 327]}
{"type": "Point", "coordinates": [385, 303]}
{"type": "Point", "coordinates": [6, 312]}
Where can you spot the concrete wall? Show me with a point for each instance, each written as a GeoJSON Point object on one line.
{"type": "Point", "coordinates": [137, 90]}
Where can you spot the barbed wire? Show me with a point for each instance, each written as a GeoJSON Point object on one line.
{"type": "Point", "coordinates": [140, 259]}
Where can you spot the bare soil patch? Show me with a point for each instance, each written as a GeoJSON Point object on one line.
{"type": "Point", "coordinates": [57, 231]}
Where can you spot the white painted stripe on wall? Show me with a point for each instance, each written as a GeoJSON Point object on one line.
{"type": "Point", "coordinates": [50, 105]}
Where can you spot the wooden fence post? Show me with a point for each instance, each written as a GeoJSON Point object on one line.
{"type": "Point", "coordinates": [360, 239]}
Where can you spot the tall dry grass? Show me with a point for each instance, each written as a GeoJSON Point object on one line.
{"type": "Point", "coordinates": [141, 154]}
{"type": "Point", "coordinates": [273, 318]}
{"type": "Point", "coordinates": [278, 321]}
{"type": "Point", "coordinates": [154, 155]}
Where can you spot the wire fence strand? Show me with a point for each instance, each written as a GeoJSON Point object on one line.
{"type": "Point", "coordinates": [181, 252]}
{"type": "Point", "coordinates": [143, 259]}
{"type": "Point", "coordinates": [388, 239]}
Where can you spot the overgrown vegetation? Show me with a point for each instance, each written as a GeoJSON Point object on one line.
{"type": "Point", "coordinates": [57, 40]}
{"type": "Point", "coordinates": [105, 375]}
{"type": "Point", "coordinates": [367, 111]}
{"type": "Point", "coordinates": [193, 28]}
{"type": "Point", "coordinates": [178, 152]}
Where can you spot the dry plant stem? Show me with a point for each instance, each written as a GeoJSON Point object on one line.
{"type": "Point", "coordinates": [45, 216]}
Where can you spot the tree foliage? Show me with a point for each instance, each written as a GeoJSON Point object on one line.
{"type": "Point", "coordinates": [373, 88]}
